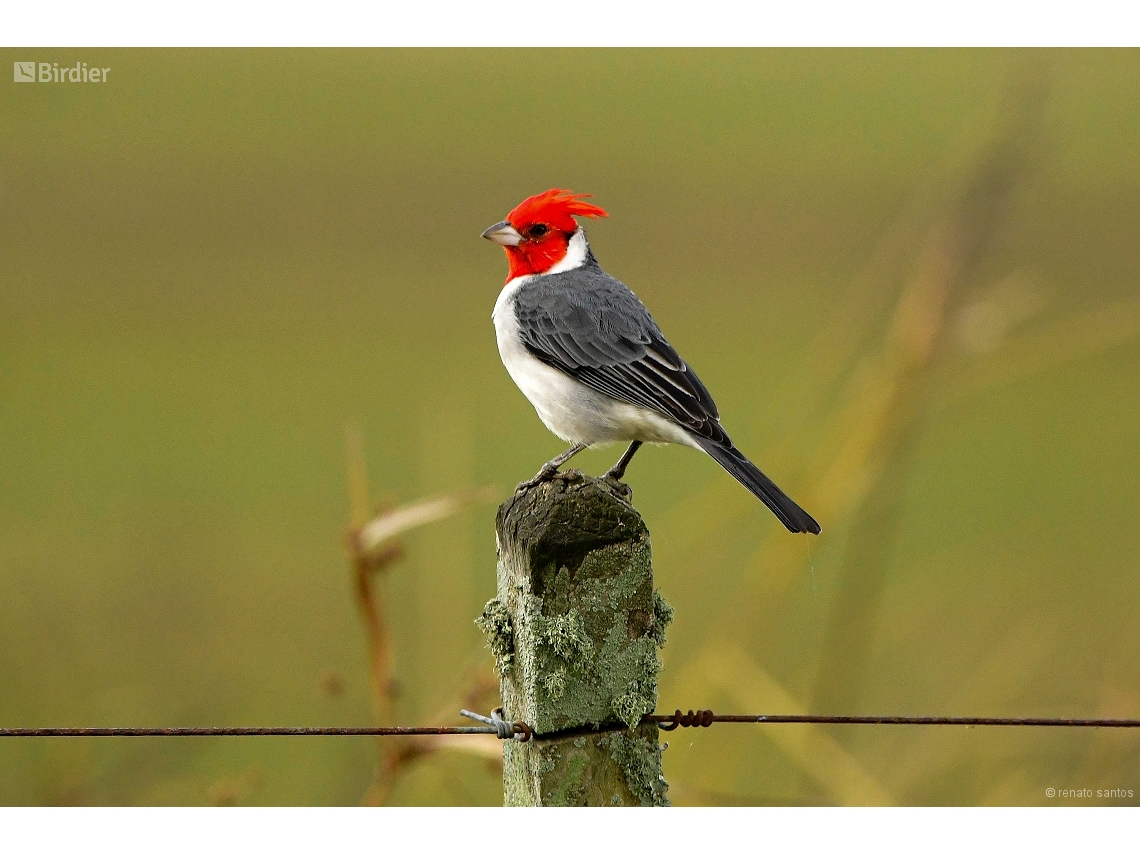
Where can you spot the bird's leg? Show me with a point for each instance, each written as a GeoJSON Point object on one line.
{"type": "Point", "coordinates": [617, 471]}
{"type": "Point", "coordinates": [550, 468]}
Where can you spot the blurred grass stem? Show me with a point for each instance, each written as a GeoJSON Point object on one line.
{"type": "Point", "coordinates": [374, 547]}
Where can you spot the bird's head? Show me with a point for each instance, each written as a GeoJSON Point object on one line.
{"type": "Point", "coordinates": [537, 233]}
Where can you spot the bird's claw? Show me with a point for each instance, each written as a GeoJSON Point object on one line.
{"type": "Point", "coordinates": [546, 473]}
{"type": "Point", "coordinates": [623, 489]}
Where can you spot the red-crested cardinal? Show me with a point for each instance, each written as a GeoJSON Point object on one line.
{"type": "Point", "coordinates": [588, 356]}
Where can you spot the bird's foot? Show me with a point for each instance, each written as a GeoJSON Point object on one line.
{"type": "Point", "coordinates": [550, 467]}
{"type": "Point", "coordinates": [616, 472]}
{"type": "Point", "coordinates": [546, 473]}
{"type": "Point", "coordinates": [619, 486]}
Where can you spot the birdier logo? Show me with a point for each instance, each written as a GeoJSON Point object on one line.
{"type": "Point", "coordinates": [51, 72]}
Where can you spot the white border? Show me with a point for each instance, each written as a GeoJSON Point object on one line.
{"type": "Point", "coordinates": [590, 23]}
{"type": "Point", "coordinates": [598, 23]}
{"type": "Point", "coordinates": [467, 831]}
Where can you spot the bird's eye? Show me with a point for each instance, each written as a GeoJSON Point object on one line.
{"type": "Point", "coordinates": [537, 230]}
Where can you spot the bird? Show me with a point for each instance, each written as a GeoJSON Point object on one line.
{"type": "Point", "coordinates": [586, 353]}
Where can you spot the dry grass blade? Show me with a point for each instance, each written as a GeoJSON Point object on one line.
{"type": "Point", "coordinates": [725, 667]}
{"type": "Point", "coordinates": [885, 393]}
{"type": "Point", "coordinates": [482, 692]}
{"type": "Point", "coordinates": [916, 342]}
{"type": "Point", "coordinates": [388, 526]}
{"type": "Point", "coordinates": [1058, 343]}
{"type": "Point", "coordinates": [374, 546]}
{"type": "Point", "coordinates": [864, 453]}
{"type": "Point", "coordinates": [848, 453]}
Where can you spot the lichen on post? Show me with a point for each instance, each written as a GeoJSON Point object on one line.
{"type": "Point", "coordinates": [575, 630]}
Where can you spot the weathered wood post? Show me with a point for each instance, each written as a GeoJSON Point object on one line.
{"type": "Point", "coordinates": [575, 630]}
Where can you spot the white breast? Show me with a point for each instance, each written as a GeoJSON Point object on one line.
{"type": "Point", "coordinates": [568, 408]}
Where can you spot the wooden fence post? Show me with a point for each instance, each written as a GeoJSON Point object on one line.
{"type": "Point", "coordinates": [575, 630]}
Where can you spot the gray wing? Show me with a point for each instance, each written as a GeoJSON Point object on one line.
{"type": "Point", "coordinates": [590, 326]}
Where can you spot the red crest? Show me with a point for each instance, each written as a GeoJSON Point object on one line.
{"type": "Point", "coordinates": [556, 208]}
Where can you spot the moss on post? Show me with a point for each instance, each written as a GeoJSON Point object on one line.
{"type": "Point", "coordinates": [575, 630]}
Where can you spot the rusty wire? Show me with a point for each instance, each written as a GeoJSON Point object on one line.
{"type": "Point", "coordinates": [243, 731]}
{"type": "Point", "coordinates": [705, 718]}
{"type": "Point", "coordinates": [522, 732]}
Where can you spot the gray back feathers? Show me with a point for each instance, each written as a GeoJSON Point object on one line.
{"type": "Point", "coordinates": [590, 326]}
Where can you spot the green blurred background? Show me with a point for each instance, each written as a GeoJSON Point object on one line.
{"type": "Point", "coordinates": [909, 278]}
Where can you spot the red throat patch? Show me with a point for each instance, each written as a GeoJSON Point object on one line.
{"type": "Point", "coordinates": [546, 223]}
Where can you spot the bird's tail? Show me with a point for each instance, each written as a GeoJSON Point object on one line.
{"type": "Point", "coordinates": [760, 485]}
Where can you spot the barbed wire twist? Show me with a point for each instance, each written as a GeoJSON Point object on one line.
{"type": "Point", "coordinates": [504, 729]}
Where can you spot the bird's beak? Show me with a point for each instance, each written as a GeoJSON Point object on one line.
{"type": "Point", "coordinates": [504, 234]}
